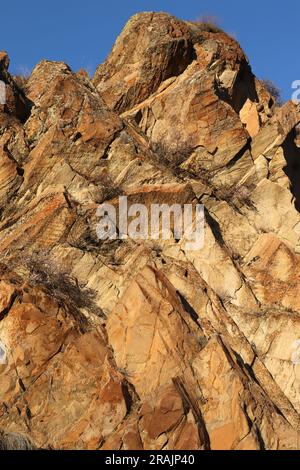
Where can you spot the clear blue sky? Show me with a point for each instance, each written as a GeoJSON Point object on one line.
{"type": "Point", "coordinates": [81, 33]}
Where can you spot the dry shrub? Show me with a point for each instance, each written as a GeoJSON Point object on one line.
{"type": "Point", "coordinates": [21, 82]}
{"type": "Point", "coordinates": [209, 24]}
{"type": "Point", "coordinates": [44, 272]}
{"type": "Point", "coordinates": [273, 90]}
{"type": "Point", "coordinates": [14, 441]}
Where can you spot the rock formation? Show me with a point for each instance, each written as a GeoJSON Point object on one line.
{"type": "Point", "coordinates": [142, 344]}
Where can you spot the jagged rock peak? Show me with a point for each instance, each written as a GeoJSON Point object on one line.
{"type": "Point", "coordinates": [145, 344]}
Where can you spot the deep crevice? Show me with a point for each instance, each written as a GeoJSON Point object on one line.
{"type": "Point", "coordinates": [292, 169]}
{"type": "Point", "coordinates": [188, 308]}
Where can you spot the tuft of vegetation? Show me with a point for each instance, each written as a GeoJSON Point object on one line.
{"type": "Point", "coordinates": [237, 196]}
{"type": "Point", "coordinates": [209, 24]}
{"type": "Point", "coordinates": [21, 81]}
{"type": "Point", "coordinates": [56, 282]}
{"type": "Point", "coordinates": [110, 192]}
{"type": "Point", "coordinates": [273, 90]}
{"type": "Point", "coordinates": [14, 441]}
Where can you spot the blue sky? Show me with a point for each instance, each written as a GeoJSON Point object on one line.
{"type": "Point", "coordinates": [81, 33]}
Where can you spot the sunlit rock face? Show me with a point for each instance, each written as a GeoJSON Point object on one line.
{"type": "Point", "coordinates": [144, 344]}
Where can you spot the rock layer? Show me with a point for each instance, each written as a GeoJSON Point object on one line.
{"type": "Point", "coordinates": [143, 344]}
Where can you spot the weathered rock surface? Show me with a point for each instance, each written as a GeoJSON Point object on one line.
{"type": "Point", "coordinates": [144, 344]}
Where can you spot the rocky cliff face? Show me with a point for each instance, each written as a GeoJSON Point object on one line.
{"type": "Point", "coordinates": [132, 344]}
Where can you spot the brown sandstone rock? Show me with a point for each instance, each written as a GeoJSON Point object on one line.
{"type": "Point", "coordinates": [17, 103]}
{"type": "Point", "coordinates": [144, 344]}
